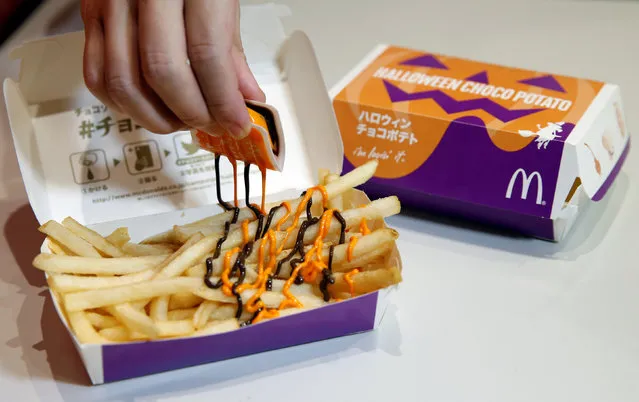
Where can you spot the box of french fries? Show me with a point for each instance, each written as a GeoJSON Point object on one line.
{"type": "Point", "coordinates": [148, 271]}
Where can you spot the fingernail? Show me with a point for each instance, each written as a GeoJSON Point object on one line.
{"type": "Point", "coordinates": [239, 131]}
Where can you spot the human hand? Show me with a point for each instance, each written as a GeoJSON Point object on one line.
{"type": "Point", "coordinates": [169, 64]}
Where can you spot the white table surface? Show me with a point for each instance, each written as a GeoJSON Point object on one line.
{"type": "Point", "coordinates": [480, 317]}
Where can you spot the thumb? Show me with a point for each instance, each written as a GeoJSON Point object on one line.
{"type": "Point", "coordinates": [246, 80]}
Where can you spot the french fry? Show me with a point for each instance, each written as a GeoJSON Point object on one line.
{"type": "Point", "coordinates": [365, 282]}
{"type": "Point", "coordinates": [181, 300]}
{"type": "Point", "coordinates": [203, 313]}
{"type": "Point", "coordinates": [68, 239]}
{"type": "Point", "coordinates": [66, 283]}
{"type": "Point", "coordinates": [322, 175]}
{"type": "Point", "coordinates": [368, 262]}
{"type": "Point", "coordinates": [217, 327]}
{"type": "Point", "coordinates": [182, 233]}
{"type": "Point", "coordinates": [220, 312]}
{"type": "Point", "coordinates": [92, 237]}
{"type": "Point", "coordinates": [127, 293]}
{"type": "Point", "coordinates": [83, 329]}
{"type": "Point", "coordinates": [181, 314]}
{"type": "Point", "coordinates": [175, 328]}
{"type": "Point", "coordinates": [337, 201]}
{"type": "Point", "coordinates": [172, 267]}
{"type": "Point", "coordinates": [134, 319]}
{"type": "Point", "coordinates": [220, 219]}
{"type": "Point", "coordinates": [140, 304]}
{"type": "Point", "coordinates": [352, 179]}
{"type": "Point", "coordinates": [271, 299]}
{"type": "Point", "coordinates": [199, 271]}
{"type": "Point", "coordinates": [213, 225]}
{"type": "Point", "coordinates": [101, 321]}
{"type": "Point", "coordinates": [291, 311]}
{"type": "Point", "coordinates": [367, 248]}
{"type": "Point", "coordinates": [119, 237]}
{"type": "Point", "coordinates": [159, 308]}
{"type": "Point", "coordinates": [223, 312]}
{"type": "Point", "coordinates": [169, 235]}
{"type": "Point", "coordinates": [164, 237]}
{"type": "Point", "coordinates": [187, 255]}
{"type": "Point", "coordinates": [118, 333]}
{"type": "Point", "coordinates": [141, 250]}
{"type": "Point", "coordinates": [166, 329]}
{"type": "Point", "coordinates": [56, 248]}
{"type": "Point", "coordinates": [167, 261]}
{"type": "Point", "coordinates": [96, 266]}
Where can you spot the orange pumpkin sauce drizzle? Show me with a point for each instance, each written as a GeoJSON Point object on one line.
{"type": "Point", "coordinates": [305, 269]}
{"type": "Point", "coordinates": [245, 231]}
{"type": "Point", "coordinates": [363, 227]}
{"type": "Point", "coordinates": [234, 164]}
{"type": "Point", "coordinates": [263, 171]}
{"type": "Point", "coordinates": [348, 278]}
{"type": "Point", "coordinates": [351, 246]}
{"type": "Point", "coordinates": [269, 241]}
{"type": "Point", "coordinates": [300, 209]}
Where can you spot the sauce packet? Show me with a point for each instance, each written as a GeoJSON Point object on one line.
{"type": "Point", "coordinates": [263, 146]}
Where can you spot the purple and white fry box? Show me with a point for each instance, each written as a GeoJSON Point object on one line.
{"type": "Point", "coordinates": [79, 159]}
{"type": "Point", "coordinates": [509, 147]}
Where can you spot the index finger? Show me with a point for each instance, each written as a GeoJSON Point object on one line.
{"type": "Point", "coordinates": [210, 26]}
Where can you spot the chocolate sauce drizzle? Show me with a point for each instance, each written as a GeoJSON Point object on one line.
{"type": "Point", "coordinates": [247, 186]}
{"type": "Point", "coordinates": [269, 219]}
{"type": "Point", "coordinates": [239, 266]}
{"type": "Point", "coordinates": [298, 247]}
{"type": "Point", "coordinates": [327, 276]}
{"type": "Point", "coordinates": [327, 273]}
{"type": "Point", "coordinates": [218, 187]}
{"type": "Point", "coordinates": [253, 317]}
{"type": "Point", "coordinates": [227, 228]}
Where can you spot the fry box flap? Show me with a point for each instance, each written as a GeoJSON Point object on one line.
{"type": "Point", "coordinates": [80, 159]}
{"type": "Point", "coordinates": [601, 141]}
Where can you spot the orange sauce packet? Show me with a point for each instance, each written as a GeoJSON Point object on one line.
{"type": "Point", "coordinates": [263, 146]}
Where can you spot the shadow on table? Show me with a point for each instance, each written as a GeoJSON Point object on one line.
{"type": "Point", "coordinates": [24, 243]}
{"type": "Point", "coordinates": [587, 233]}
{"type": "Point", "coordinates": [62, 362]}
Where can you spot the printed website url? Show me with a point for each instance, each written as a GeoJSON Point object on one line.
{"type": "Point", "coordinates": [159, 191]}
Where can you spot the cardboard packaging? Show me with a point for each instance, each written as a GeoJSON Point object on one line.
{"type": "Point", "coordinates": [78, 159]}
{"type": "Point", "coordinates": [508, 147]}
{"type": "Point", "coordinates": [264, 145]}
